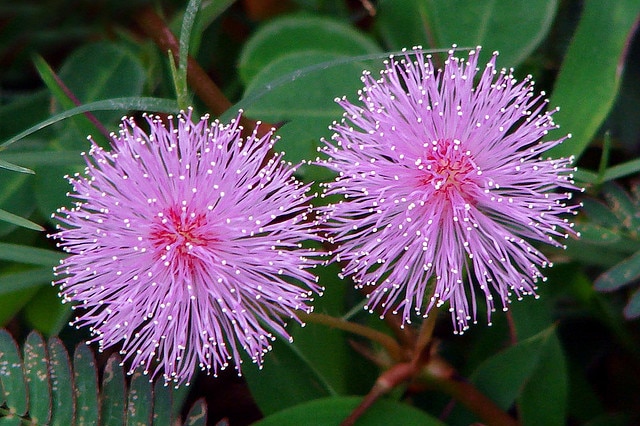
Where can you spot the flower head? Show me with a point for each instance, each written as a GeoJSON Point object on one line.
{"type": "Point", "coordinates": [186, 244]}
{"type": "Point", "coordinates": [444, 185]}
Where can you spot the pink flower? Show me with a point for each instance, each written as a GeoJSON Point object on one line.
{"type": "Point", "coordinates": [444, 185]}
{"type": "Point", "coordinates": [186, 244]}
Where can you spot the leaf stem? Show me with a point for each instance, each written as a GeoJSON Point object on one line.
{"type": "Point", "coordinates": [441, 375]}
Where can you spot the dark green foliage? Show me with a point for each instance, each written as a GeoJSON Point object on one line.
{"type": "Point", "coordinates": [44, 386]}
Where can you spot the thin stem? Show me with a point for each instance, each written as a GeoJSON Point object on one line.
{"type": "Point", "coordinates": [386, 341]}
{"type": "Point", "coordinates": [72, 97]}
{"type": "Point", "coordinates": [388, 380]}
{"type": "Point", "coordinates": [399, 373]}
{"type": "Point", "coordinates": [154, 26]}
{"type": "Point", "coordinates": [425, 334]}
{"type": "Point", "coordinates": [468, 395]}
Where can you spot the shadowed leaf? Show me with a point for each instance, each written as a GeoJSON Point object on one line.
{"type": "Point", "coordinates": [37, 376]}
{"type": "Point", "coordinates": [86, 385]}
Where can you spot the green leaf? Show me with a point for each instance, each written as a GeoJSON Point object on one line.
{"type": "Point", "coordinates": [543, 400]}
{"type": "Point", "coordinates": [285, 369]}
{"type": "Point", "coordinates": [12, 301]}
{"type": "Point", "coordinates": [43, 158]}
{"type": "Point", "coordinates": [162, 402]}
{"type": "Point", "coordinates": [46, 389]}
{"type": "Point", "coordinates": [13, 386]}
{"type": "Point", "coordinates": [292, 34]}
{"type": "Point", "coordinates": [503, 376]}
{"type": "Point", "coordinates": [63, 407]}
{"type": "Point", "coordinates": [209, 12]}
{"type": "Point", "coordinates": [85, 386]}
{"type": "Point", "coordinates": [180, 79]}
{"type": "Point", "coordinates": [22, 112]}
{"type": "Point", "coordinates": [51, 188]}
{"type": "Point", "coordinates": [514, 28]}
{"type": "Point", "coordinates": [197, 414]}
{"type": "Point", "coordinates": [114, 389]}
{"type": "Point", "coordinates": [57, 88]}
{"type": "Point", "coordinates": [620, 203]}
{"type": "Point", "coordinates": [622, 170]}
{"type": "Point", "coordinates": [307, 117]}
{"type": "Point", "coordinates": [16, 196]}
{"type": "Point", "coordinates": [599, 213]}
{"type": "Point", "coordinates": [632, 309]}
{"type": "Point", "coordinates": [19, 221]}
{"type": "Point", "coordinates": [332, 411]}
{"type": "Point", "coordinates": [18, 281]}
{"type": "Point", "coordinates": [37, 377]}
{"type": "Point", "coordinates": [46, 313]}
{"type": "Point", "coordinates": [114, 69]}
{"type": "Point", "coordinates": [140, 403]}
{"type": "Point", "coordinates": [14, 168]}
{"type": "Point", "coordinates": [30, 255]}
{"type": "Point", "coordinates": [596, 234]}
{"type": "Point", "coordinates": [620, 275]}
{"type": "Point", "coordinates": [116, 104]}
{"type": "Point", "coordinates": [592, 69]}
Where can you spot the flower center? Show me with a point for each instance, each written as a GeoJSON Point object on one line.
{"type": "Point", "coordinates": [446, 167]}
{"type": "Point", "coordinates": [180, 231]}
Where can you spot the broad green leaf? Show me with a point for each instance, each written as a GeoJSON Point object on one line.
{"type": "Point", "coordinates": [623, 273]}
{"type": "Point", "coordinates": [114, 390]}
{"type": "Point", "coordinates": [543, 400]}
{"type": "Point", "coordinates": [37, 378]}
{"type": "Point", "coordinates": [140, 402]}
{"type": "Point", "coordinates": [332, 411]}
{"type": "Point", "coordinates": [63, 407]}
{"type": "Point", "coordinates": [197, 415]}
{"type": "Point", "coordinates": [29, 255]}
{"type": "Point", "coordinates": [514, 28]}
{"type": "Point", "coordinates": [503, 376]}
{"type": "Point", "coordinates": [162, 402]}
{"type": "Point", "coordinates": [307, 117]}
{"type": "Point", "coordinates": [287, 370]}
{"type": "Point", "coordinates": [632, 309]}
{"type": "Point", "coordinates": [57, 89]}
{"type": "Point", "coordinates": [19, 221]}
{"type": "Point", "coordinates": [592, 70]}
{"type": "Point", "coordinates": [114, 72]}
{"type": "Point", "coordinates": [13, 386]}
{"type": "Point", "coordinates": [292, 34]}
{"type": "Point", "coordinates": [22, 112]}
{"type": "Point", "coordinates": [24, 280]}
{"type": "Point", "coordinates": [85, 386]}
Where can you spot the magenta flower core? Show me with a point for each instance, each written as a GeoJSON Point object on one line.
{"type": "Point", "coordinates": [444, 185]}
{"type": "Point", "coordinates": [186, 244]}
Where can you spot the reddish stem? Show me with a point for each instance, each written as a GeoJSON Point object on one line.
{"type": "Point", "coordinates": [155, 27]}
